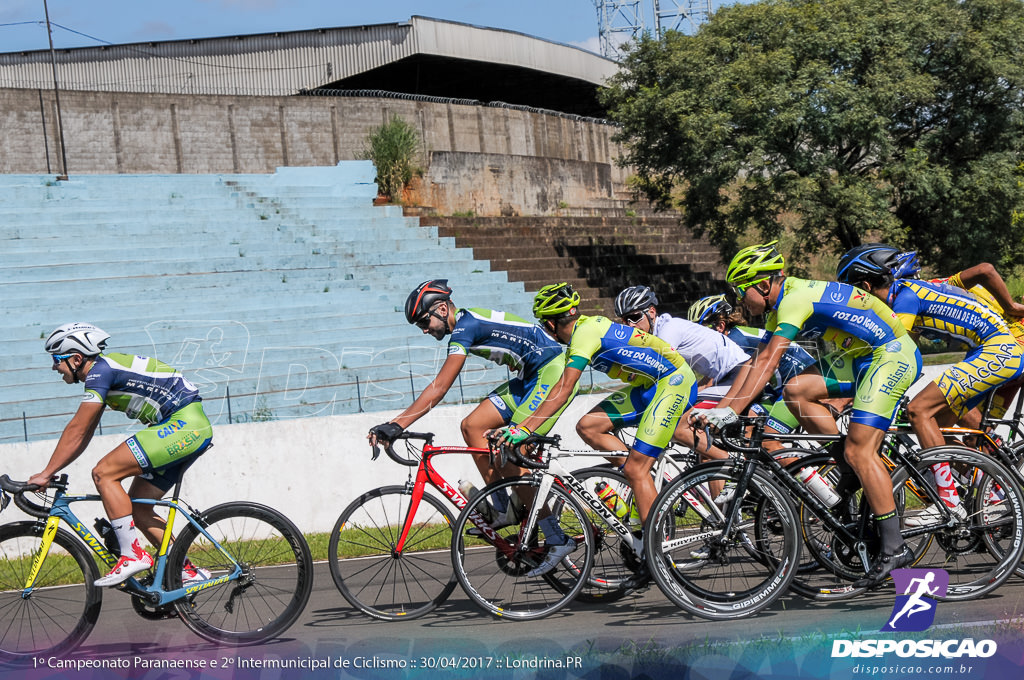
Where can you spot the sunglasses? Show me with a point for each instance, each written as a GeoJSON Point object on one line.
{"type": "Point", "coordinates": [57, 358]}
{"type": "Point", "coordinates": [742, 289]}
{"type": "Point", "coordinates": [423, 322]}
{"type": "Point", "coordinates": [633, 318]}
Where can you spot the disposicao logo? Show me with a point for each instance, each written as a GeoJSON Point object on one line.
{"type": "Point", "coordinates": [914, 610]}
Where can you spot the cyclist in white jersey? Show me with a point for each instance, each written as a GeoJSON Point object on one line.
{"type": "Point", "coordinates": [715, 359]}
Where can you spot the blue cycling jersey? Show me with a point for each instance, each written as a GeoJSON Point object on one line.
{"type": "Point", "coordinates": [793, 362]}
{"type": "Point", "coordinates": [144, 389]}
{"type": "Point", "coordinates": [505, 339]}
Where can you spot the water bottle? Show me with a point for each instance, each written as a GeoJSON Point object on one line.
{"type": "Point", "coordinates": [615, 503]}
{"type": "Point", "coordinates": [470, 492]}
{"type": "Point", "coordinates": [818, 486]}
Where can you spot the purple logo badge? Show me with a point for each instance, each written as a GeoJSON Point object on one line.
{"type": "Point", "coordinates": [914, 610]}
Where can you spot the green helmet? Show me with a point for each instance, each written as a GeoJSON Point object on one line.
{"type": "Point", "coordinates": [754, 264]}
{"type": "Point", "coordinates": [702, 310]}
{"type": "Point", "coordinates": [554, 301]}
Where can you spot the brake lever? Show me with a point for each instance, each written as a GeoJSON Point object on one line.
{"type": "Point", "coordinates": [5, 500]}
{"type": "Point", "coordinates": [376, 452]}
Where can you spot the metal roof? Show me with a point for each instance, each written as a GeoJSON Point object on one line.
{"type": "Point", "coordinates": [291, 62]}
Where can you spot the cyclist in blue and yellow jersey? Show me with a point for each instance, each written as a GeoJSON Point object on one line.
{"type": "Point", "coordinates": [627, 354]}
{"type": "Point", "coordinates": [875, 362]}
{"type": "Point", "coordinates": [940, 310]}
{"type": "Point", "coordinates": [177, 432]}
{"type": "Point", "coordinates": [715, 312]}
{"type": "Point", "coordinates": [715, 360]}
{"type": "Point", "coordinates": [508, 340]}
{"type": "Point", "coordinates": [983, 282]}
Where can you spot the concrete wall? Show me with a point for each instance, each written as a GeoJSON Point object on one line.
{"type": "Point", "coordinates": [467, 149]}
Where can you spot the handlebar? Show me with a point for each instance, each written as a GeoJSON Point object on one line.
{"type": "Point", "coordinates": [412, 461]}
{"type": "Point", "coordinates": [513, 453]}
{"type": "Point", "coordinates": [19, 489]}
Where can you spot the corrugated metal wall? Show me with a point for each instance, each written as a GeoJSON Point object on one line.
{"type": "Point", "coordinates": [285, 63]}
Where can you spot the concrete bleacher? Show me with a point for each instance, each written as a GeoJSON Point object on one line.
{"type": "Point", "coordinates": [285, 290]}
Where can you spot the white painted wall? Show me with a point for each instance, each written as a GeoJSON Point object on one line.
{"type": "Point", "coordinates": [310, 469]}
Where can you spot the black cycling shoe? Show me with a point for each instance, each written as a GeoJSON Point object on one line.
{"type": "Point", "coordinates": [886, 563]}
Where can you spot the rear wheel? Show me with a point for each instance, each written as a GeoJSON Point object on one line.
{"type": "Point", "coordinates": [273, 587]}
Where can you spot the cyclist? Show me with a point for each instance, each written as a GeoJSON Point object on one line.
{"type": "Point", "coordinates": [716, 313]}
{"type": "Point", "coordinates": [984, 282]}
{"type": "Point", "coordinates": [177, 432]}
{"type": "Point", "coordinates": [628, 354]}
{"type": "Point", "coordinates": [876, 361]}
{"type": "Point", "coordinates": [940, 310]}
{"type": "Point", "coordinates": [715, 360]}
{"type": "Point", "coordinates": [505, 339]}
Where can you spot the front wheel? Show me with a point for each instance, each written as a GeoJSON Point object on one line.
{"type": "Point", "coordinates": [494, 563]}
{"type": "Point", "coordinates": [370, 570]}
{"type": "Point", "coordinates": [64, 604]}
{"type": "Point", "coordinates": [713, 570]}
{"type": "Point", "coordinates": [276, 574]}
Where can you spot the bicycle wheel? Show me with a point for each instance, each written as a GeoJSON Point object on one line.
{"type": "Point", "coordinates": [708, 572]}
{"type": "Point", "coordinates": [64, 604]}
{"type": "Point", "coordinates": [276, 579]}
{"type": "Point", "coordinates": [617, 569]}
{"type": "Point", "coordinates": [982, 546]}
{"type": "Point", "coordinates": [493, 566]}
{"type": "Point", "coordinates": [369, 570]}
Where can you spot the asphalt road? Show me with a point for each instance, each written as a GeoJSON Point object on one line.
{"type": "Point", "coordinates": [611, 639]}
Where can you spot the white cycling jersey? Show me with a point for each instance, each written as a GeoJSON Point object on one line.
{"type": "Point", "coordinates": [709, 353]}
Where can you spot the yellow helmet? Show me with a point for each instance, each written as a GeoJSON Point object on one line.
{"type": "Point", "coordinates": [554, 301]}
{"type": "Point", "coordinates": [754, 264]}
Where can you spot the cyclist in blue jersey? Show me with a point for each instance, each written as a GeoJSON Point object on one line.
{"type": "Point", "coordinates": [177, 432]}
{"type": "Point", "coordinates": [506, 339]}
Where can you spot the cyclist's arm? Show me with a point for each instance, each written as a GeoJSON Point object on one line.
{"type": "Point", "coordinates": [556, 398]}
{"type": "Point", "coordinates": [986, 276]}
{"type": "Point", "coordinates": [433, 393]}
{"type": "Point", "coordinates": [73, 441]}
{"type": "Point", "coordinates": [752, 382]}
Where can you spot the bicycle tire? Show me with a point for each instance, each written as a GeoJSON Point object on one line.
{"type": "Point", "coordinates": [617, 570]}
{"type": "Point", "coordinates": [742, 573]}
{"type": "Point", "coordinates": [276, 580]}
{"type": "Point", "coordinates": [64, 604]}
{"type": "Point", "coordinates": [379, 580]}
{"type": "Point", "coordinates": [493, 570]}
{"type": "Point", "coordinates": [983, 550]}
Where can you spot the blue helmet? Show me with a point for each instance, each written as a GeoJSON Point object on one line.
{"type": "Point", "coordinates": [870, 262]}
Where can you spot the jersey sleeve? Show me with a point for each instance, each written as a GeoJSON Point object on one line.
{"type": "Point", "coordinates": [584, 344]}
{"type": "Point", "coordinates": [463, 335]}
{"type": "Point", "coordinates": [906, 306]}
{"type": "Point", "coordinates": [98, 382]}
{"type": "Point", "coordinates": [794, 310]}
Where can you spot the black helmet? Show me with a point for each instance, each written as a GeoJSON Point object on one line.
{"type": "Point", "coordinates": [870, 262]}
{"type": "Point", "coordinates": [634, 299]}
{"type": "Point", "coordinates": [424, 296]}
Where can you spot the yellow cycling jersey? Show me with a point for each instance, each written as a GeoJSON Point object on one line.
{"type": "Point", "coordinates": [943, 311]}
{"type": "Point", "coordinates": [624, 353]}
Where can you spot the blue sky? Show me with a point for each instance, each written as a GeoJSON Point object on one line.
{"type": "Point", "coordinates": [120, 21]}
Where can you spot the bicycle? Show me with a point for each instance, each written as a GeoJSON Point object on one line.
{"type": "Point", "coordinates": [752, 545]}
{"type": "Point", "coordinates": [389, 551]}
{"type": "Point", "coordinates": [582, 515]}
{"type": "Point", "coordinates": [261, 572]}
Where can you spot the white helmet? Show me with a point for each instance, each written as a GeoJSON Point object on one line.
{"type": "Point", "coordinates": [83, 338]}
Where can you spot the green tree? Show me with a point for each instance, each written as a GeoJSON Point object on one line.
{"type": "Point", "coordinates": [393, 147]}
{"type": "Point", "coordinates": [836, 121]}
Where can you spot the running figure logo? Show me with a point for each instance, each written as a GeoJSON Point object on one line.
{"type": "Point", "coordinates": [914, 610]}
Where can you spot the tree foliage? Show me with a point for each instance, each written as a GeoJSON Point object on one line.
{"type": "Point", "coordinates": [836, 121]}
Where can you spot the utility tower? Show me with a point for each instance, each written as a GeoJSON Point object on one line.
{"type": "Point", "coordinates": [622, 20]}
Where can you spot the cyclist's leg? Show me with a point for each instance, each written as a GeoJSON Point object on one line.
{"type": "Point", "coordinates": [674, 395]}
{"type": "Point", "coordinates": [804, 395]}
{"type": "Point", "coordinates": [486, 416]}
{"type": "Point", "coordinates": [929, 411]}
{"type": "Point", "coordinates": [151, 524]}
{"type": "Point", "coordinates": [622, 408]}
